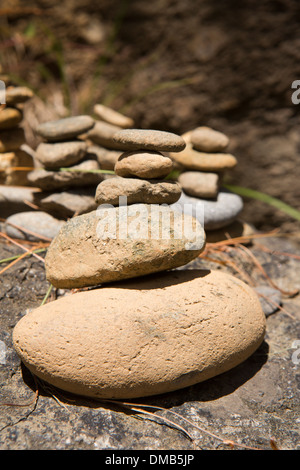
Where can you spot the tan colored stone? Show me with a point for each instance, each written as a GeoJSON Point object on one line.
{"type": "Point", "coordinates": [11, 139]}
{"type": "Point", "coordinates": [137, 191]}
{"type": "Point", "coordinates": [148, 139]}
{"type": "Point", "coordinates": [65, 129]}
{"type": "Point", "coordinates": [120, 243]}
{"type": "Point", "coordinates": [12, 167]}
{"type": "Point", "coordinates": [206, 139]}
{"type": "Point", "coordinates": [102, 134]}
{"type": "Point", "coordinates": [151, 336]}
{"type": "Point", "coordinates": [111, 116]}
{"type": "Point", "coordinates": [80, 175]}
{"type": "Point", "coordinates": [17, 94]}
{"type": "Point", "coordinates": [62, 154]}
{"type": "Point", "coordinates": [149, 164]}
{"type": "Point", "coordinates": [10, 117]}
{"type": "Point", "coordinates": [106, 158]}
{"type": "Point", "coordinates": [191, 159]}
{"type": "Point", "coordinates": [199, 184]}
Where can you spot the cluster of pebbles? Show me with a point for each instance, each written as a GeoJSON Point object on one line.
{"type": "Point", "coordinates": [203, 163]}
{"type": "Point", "coordinates": [143, 327]}
{"type": "Point", "coordinates": [14, 157]}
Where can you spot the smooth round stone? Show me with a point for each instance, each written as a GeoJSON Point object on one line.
{"type": "Point", "coordinates": [206, 139]}
{"type": "Point", "coordinates": [11, 139]}
{"type": "Point", "coordinates": [111, 244]}
{"type": "Point", "coordinates": [62, 154]}
{"type": "Point", "coordinates": [143, 164]}
{"type": "Point", "coordinates": [102, 134]}
{"type": "Point", "coordinates": [214, 214]}
{"type": "Point", "coordinates": [37, 222]}
{"type": "Point", "coordinates": [65, 129]}
{"type": "Point", "coordinates": [199, 184]}
{"type": "Point", "coordinates": [106, 158]}
{"type": "Point", "coordinates": [137, 191]}
{"type": "Point", "coordinates": [18, 94]}
{"type": "Point", "coordinates": [113, 117]}
{"type": "Point", "coordinates": [192, 159]}
{"type": "Point", "coordinates": [148, 139]}
{"type": "Point", "coordinates": [80, 175]}
{"type": "Point", "coordinates": [136, 339]}
{"type": "Point", "coordinates": [10, 117]}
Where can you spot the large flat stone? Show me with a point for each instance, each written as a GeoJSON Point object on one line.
{"type": "Point", "coordinates": [142, 338]}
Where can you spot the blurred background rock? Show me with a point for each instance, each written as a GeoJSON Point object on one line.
{"type": "Point", "coordinates": [172, 66]}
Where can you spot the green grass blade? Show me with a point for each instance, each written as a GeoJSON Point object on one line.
{"type": "Point", "coordinates": [272, 201]}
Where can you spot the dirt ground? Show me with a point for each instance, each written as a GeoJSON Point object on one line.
{"type": "Point", "coordinates": [172, 66]}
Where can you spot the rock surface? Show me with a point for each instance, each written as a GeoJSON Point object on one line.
{"type": "Point", "coordinates": [143, 164]}
{"type": "Point", "coordinates": [79, 175]}
{"type": "Point", "coordinates": [247, 404]}
{"type": "Point", "coordinates": [112, 117]}
{"type": "Point", "coordinates": [13, 199]}
{"type": "Point", "coordinates": [67, 203]}
{"type": "Point", "coordinates": [199, 184]}
{"type": "Point", "coordinates": [144, 338]}
{"type": "Point", "coordinates": [62, 154]}
{"type": "Point", "coordinates": [17, 94]}
{"type": "Point", "coordinates": [11, 139]}
{"type": "Point", "coordinates": [148, 139]}
{"type": "Point", "coordinates": [192, 159]}
{"type": "Point", "coordinates": [206, 139]}
{"type": "Point", "coordinates": [36, 224]}
{"type": "Point", "coordinates": [102, 134]}
{"type": "Point", "coordinates": [137, 191]}
{"type": "Point", "coordinates": [10, 117]}
{"type": "Point", "coordinates": [215, 214]}
{"type": "Point", "coordinates": [65, 129]}
{"type": "Point", "coordinates": [120, 243]}
{"type": "Point", "coordinates": [106, 158]}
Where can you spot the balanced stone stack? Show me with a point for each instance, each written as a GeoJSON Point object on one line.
{"type": "Point", "coordinates": [66, 172]}
{"type": "Point", "coordinates": [100, 137]}
{"type": "Point", "coordinates": [203, 163]}
{"type": "Point", "coordinates": [14, 160]}
{"type": "Point", "coordinates": [164, 330]}
{"type": "Point", "coordinates": [128, 236]}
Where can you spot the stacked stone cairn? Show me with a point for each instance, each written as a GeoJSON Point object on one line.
{"type": "Point", "coordinates": [136, 246]}
{"type": "Point", "coordinates": [66, 172]}
{"type": "Point", "coordinates": [15, 161]}
{"type": "Point", "coordinates": [144, 327]}
{"type": "Point", "coordinates": [203, 164]}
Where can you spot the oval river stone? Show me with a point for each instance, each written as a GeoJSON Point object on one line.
{"type": "Point", "coordinates": [150, 336]}
{"type": "Point", "coordinates": [117, 243]}
{"type": "Point", "coordinates": [66, 128]}
{"type": "Point", "coordinates": [148, 139]}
